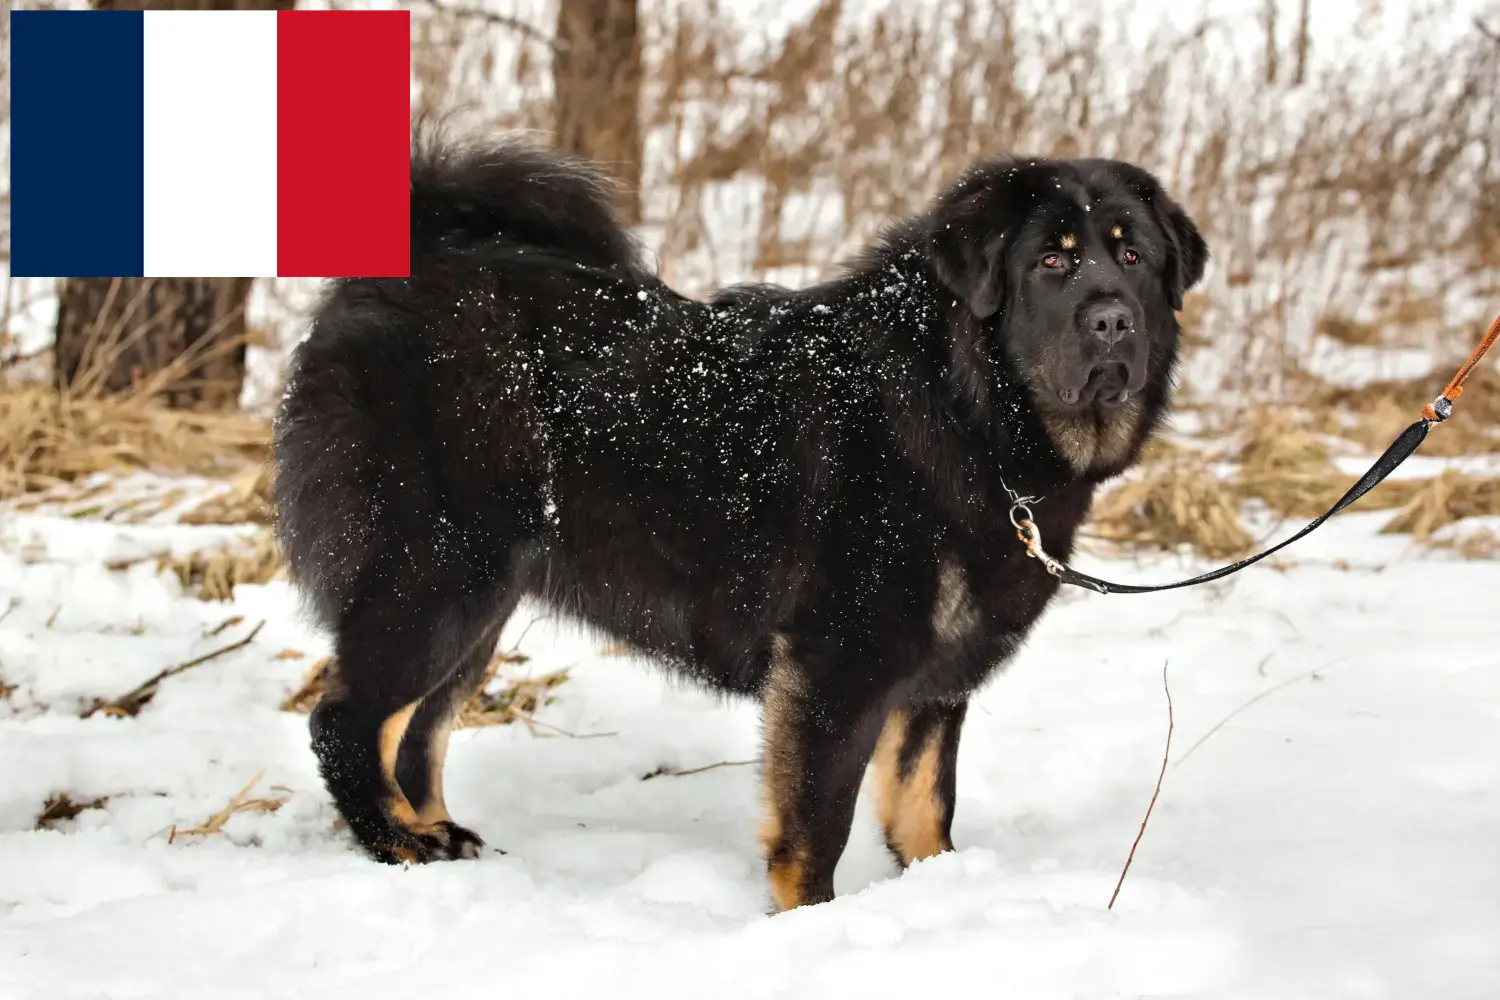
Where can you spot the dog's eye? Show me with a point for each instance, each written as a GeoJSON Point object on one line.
{"type": "Point", "coordinates": [1131, 257]}
{"type": "Point", "coordinates": [1052, 260]}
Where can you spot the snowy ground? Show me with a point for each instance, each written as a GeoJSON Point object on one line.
{"type": "Point", "coordinates": [1337, 838]}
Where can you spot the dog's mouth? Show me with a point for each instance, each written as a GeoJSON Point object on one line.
{"type": "Point", "coordinates": [1107, 383]}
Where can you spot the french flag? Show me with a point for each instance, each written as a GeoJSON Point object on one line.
{"type": "Point", "coordinates": [210, 143]}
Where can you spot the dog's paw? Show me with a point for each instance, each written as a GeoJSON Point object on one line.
{"type": "Point", "coordinates": [445, 841]}
{"type": "Point", "coordinates": [460, 843]}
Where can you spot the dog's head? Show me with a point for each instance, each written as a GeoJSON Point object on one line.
{"type": "Point", "coordinates": [1075, 270]}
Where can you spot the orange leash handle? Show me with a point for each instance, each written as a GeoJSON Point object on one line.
{"type": "Point", "coordinates": [1437, 411]}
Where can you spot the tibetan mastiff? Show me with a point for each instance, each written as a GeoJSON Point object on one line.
{"type": "Point", "coordinates": [796, 496]}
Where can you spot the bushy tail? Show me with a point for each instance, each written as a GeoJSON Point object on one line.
{"type": "Point", "coordinates": [353, 432]}
{"type": "Point", "coordinates": [511, 191]}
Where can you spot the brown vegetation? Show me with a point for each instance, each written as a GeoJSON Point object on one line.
{"type": "Point", "coordinates": [48, 437]}
{"type": "Point", "coordinates": [514, 701]}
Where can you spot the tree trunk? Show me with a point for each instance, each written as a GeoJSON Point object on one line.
{"type": "Point", "coordinates": [597, 82]}
{"type": "Point", "coordinates": [1303, 41]}
{"type": "Point", "coordinates": [113, 333]}
{"type": "Point", "coordinates": [1268, 21]}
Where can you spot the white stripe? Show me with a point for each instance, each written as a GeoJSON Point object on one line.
{"type": "Point", "coordinates": [210, 116]}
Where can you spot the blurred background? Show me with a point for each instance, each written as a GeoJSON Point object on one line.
{"type": "Point", "coordinates": [1342, 158]}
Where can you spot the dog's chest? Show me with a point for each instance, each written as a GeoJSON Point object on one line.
{"type": "Point", "coordinates": [978, 618]}
{"type": "Point", "coordinates": [955, 613]}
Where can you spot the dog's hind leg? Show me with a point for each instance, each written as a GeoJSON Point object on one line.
{"type": "Point", "coordinates": [395, 649]}
{"type": "Point", "coordinates": [915, 787]}
{"type": "Point", "coordinates": [816, 745]}
{"type": "Point", "coordinates": [419, 765]}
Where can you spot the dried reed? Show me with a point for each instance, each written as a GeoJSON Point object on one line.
{"type": "Point", "coordinates": [516, 701]}
{"type": "Point", "coordinates": [1439, 502]}
{"type": "Point", "coordinates": [212, 574]}
{"type": "Point", "coordinates": [48, 437]}
{"type": "Point", "coordinates": [1175, 499]}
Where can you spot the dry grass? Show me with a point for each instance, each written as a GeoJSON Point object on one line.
{"type": "Point", "coordinates": [1437, 503]}
{"type": "Point", "coordinates": [1286, 462]}
{"type": "Point", "coordinates": [1376, 412]}
{"type": "Point", "coordinates": [1481, 544]}
{"type": "Point", "coordinates": [1179, 501]}
{"type": "Point", "coordinates": [48, 438]}
{"type": "Point", "coordinates": [60, 808]}
{"type": "Point", "coordinates": [246, 501]}
{"type": "Point", "coordinates": [241, 803]}
{"type": "Point", "coordinates": [212, 574]}
{"type": "Point", "coordinates": [515, 701]}
{"type": "Point", "coordinates": [1176, 499]}
{"type": "Point", "coordinates": [1288, 466]}
{"type": "Point", "coordinates": [314, 683]}
{"type": "Point", "coordinates": [1351, 332]}
{"type": "Point", "coordinates": [54, 435]}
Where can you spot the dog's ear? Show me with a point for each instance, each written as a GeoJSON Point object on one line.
{"type": "Point", "coordinates": [966, 240]}
{"type": "Point", "coordinates": [1187, 253]}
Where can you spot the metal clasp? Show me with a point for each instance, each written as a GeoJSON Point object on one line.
{"type": "Point", "coordinates": [1031, 536]}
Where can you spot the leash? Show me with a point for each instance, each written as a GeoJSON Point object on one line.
{"type": "Point", "coordinates": [1400, 450]}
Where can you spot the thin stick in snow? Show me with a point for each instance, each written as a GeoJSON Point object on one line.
{"type": "Point", "coordinates": [240, 803]}
{"type": "Point", "coordinates": [669, 772]}
{"type": "Point", "coordinates": [130, 704]}
{"type": "Point", "coordinates": [531, 723]}
{"type": "Point", "coordinates": [1152, 805]}
{"type": "Point", "coordinates": [1315, 674]}
{"type": "Point", "coordinates": [226, 623]}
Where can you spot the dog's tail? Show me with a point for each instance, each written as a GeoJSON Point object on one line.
{"type": "Point", "coordinates": [511, 192]}
{"type": "Point", "coordinates": [353, 483]}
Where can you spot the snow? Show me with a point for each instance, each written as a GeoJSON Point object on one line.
{"type": "Point", "coordinates": [1334, 838]}
{"type": "Point", "coordinates": [1354, 365]}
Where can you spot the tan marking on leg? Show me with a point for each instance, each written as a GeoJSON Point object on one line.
{"type": "Point", "coordinates": [954, 612]}
{"type": "Point", "coordinates": [781, 770]}
{"type": "Point", "coordinates": [787, 881]}
{"type": "Point", "coordinates": [391, 732]}
{"type": "Point", "coordinates": [909, 807]}
{"type": "Point", "coordinates": [435, 810]}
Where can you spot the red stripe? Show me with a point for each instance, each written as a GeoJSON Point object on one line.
{"type": "Point", "coordinates": [343, 133]}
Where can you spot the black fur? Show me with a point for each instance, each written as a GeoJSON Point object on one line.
{"type": "Point", "coordinates": [534, 412]}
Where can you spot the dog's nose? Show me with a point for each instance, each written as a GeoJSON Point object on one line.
{"type": "Point", "coordinates": [1109, 321]}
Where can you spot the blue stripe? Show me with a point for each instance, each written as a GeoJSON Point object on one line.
{"type": "Point", "coordinates": [77, 143]}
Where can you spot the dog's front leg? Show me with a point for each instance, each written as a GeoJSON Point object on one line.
{"type": "Point", "coordinates": [817, 741]}
{"type": "Point", "coordinates": [915, 769]}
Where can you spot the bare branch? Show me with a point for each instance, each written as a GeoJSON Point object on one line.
{"type": "Point", "coordinates": [131, 703]}
{"type": "Point", "coordinates": [1314, 674]}
{"type": "Point", "coordinates": [669, 772]}
{"type": "Point", "coordinates": [531, 31]}
{"type": "Point", "coordinates": [1152, 805]}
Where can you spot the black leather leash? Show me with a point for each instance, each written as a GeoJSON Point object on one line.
{"type": "Point", "coordinates": [1400, 450]}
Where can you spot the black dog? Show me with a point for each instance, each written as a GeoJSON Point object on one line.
{"type": "Point", "coordinates": [794, 495]}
